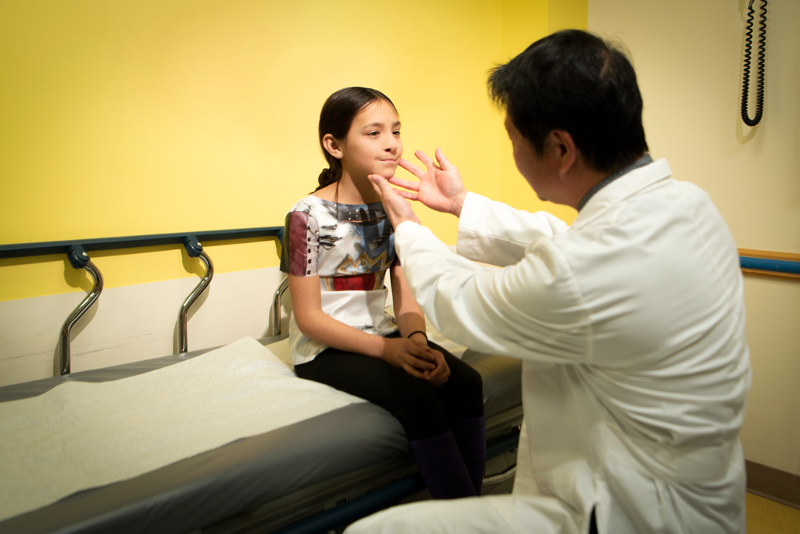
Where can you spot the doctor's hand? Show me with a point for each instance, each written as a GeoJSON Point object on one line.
{"type": "Point", "coordinates": [440, 186]}
{"type": "Point", "coordinates": [417, 360]}
{"type": "Point", "coordinates": [397, 208]}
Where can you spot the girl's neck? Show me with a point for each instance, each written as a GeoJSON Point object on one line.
{"type": "Point", "coordinates": [359, 191]}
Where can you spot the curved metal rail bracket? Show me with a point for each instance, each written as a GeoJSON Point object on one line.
{"type": "Point", "coordinates": [195, 250]}
{"type": "Point", "coordinates": [282, 287]}
{"type": "Point", "coordinates": [276, 306]}
{"type": "Point", "coordinates": [79, 259]}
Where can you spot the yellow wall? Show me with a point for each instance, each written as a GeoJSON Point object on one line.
{"type": "Point", "coordinates": [149, 117]}
{"type": "Point", "coordinates": [521, 21]}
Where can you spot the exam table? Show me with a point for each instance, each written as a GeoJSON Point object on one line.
{"type": "Point", "coordinates": [311, 476]}
{"type": "Point", "coordinates": [315, 475]}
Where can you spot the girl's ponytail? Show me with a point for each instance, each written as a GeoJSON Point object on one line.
{"type": "Point", "coordinates": [330, 175]}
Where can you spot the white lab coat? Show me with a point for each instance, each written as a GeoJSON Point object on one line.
{"type": "Point", "coordinates": [636, 370]}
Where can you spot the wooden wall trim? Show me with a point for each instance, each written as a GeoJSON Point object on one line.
{"type": "Point", "coordinates": [770, 255]}
{"type": "Point", "coordinates": [773, 484]}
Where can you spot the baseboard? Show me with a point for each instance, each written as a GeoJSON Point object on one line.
{"type": "Point", "coordinates": [774, 484]}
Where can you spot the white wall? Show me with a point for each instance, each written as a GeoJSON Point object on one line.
{"type": "Point", "coordinates": [134, 323]}
{"type": "Point", "coordinates": [688, 57]}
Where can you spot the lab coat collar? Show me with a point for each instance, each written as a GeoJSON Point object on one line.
{"type": "Point", "coordinates": [641, 162]}
{"type": "Point", "coordinates": [622, 188]}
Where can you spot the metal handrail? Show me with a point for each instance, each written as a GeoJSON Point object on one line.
{"type": "Point", "coordinates": [20, 250]}
{"type": "Point", "coordinates": [183, 326]}
{"type": "Point", "coordinates": [276, 306]}
{"type": "Point", "coordinates": [79, 258]}
{"type": "Point", "coordinates": [64, 343]}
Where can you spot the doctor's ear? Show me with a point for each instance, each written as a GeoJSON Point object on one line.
{"type": "Point", "coordinates": [332, 146]}
{"type": "Point", "coordinates": [564, 149]}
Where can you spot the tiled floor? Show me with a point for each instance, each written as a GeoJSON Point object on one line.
{"type": "Point", "coordinates": [769, 517]}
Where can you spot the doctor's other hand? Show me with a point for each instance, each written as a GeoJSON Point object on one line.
{"type": "Point", "coordinates": [440, 186]}
{"type": "Point", "coordinates": [397, 208]}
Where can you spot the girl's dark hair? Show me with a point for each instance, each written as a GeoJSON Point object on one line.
{"type": "Point", "coordinates": [336, 117]}
{"type": "Point", "coordinates": [574, 81]}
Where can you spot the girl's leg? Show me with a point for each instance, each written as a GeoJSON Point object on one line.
{"type": "Point", "coordinates": [441, 466]}
{"type": "Point", "coordinates": [413, 402]}
{"type": "Point", "coordinates": [462, 398]}
{"type": "Point", "coordinates": [470, 436]}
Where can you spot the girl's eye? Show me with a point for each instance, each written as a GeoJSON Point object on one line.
{"type": "Point", "coordinates": [373, 134]}
{"type": "Point", "coordinates": [396, 132]}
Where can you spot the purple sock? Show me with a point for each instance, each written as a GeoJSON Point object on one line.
{"type": "Point", "coordinates": [441, 467]}
{"type": "Point", "coordinates": [470, 436]}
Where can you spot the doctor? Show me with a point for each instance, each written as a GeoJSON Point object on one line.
{"type": "Point", "coordinates": [630, 322]}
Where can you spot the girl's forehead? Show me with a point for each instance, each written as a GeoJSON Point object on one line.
{"type": "Point", "coordinates": [377, 111]}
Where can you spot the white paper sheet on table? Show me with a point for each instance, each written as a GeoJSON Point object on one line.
{"type": "Point", "coordinates": [81, 435]}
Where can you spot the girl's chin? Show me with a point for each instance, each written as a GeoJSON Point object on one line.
{"type": "Point", "coordinates": [387, 171]}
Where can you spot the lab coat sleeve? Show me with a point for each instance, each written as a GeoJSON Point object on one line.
{"type": "Point", "coordinates": [530, 310]}
{"type": "Point", "coordinates": [495, 233]}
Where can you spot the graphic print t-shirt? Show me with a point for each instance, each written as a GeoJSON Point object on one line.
{"type": "Point", "coordinates": [350, 247]}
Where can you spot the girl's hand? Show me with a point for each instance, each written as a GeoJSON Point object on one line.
{"type": "Point", "coordinates": [440, 186]}
{"type": "Point", "coordinates": [416, 360]}
{"type": "Point", "coordinates": [442, 372]}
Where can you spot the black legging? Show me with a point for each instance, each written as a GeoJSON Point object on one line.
{"type": "Point", "coordinates": [423, 410]}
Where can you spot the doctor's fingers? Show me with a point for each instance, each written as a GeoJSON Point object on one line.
{"type": "Point", "coordinates": [387, 194]}
{"type": "Point", "coordinates": [427, 160]}
{"type": "Point", "coordinates": [408, 194]}
{"type": "Point", "coordinates": [380, 185]}
{"type": "Point", "coordinates": [405, 184]}
{"type": "Point", "coordinates": [410, 167]}
{"type": "Point", "coordinates": [444, 163]}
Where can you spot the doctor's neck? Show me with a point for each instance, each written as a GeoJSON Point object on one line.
{"type": "Point", "coordinates": [590, 181]}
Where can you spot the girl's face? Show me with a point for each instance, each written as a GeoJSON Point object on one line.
{"type": "Point", "coordinates": [373, 144]}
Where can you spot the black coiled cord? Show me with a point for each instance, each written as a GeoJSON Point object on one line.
{"type": "Point", "coordinates": [762, 47]}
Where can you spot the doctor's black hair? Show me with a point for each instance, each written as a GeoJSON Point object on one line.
{"type": "Point", "coordinates": [336, 118]}
{"type": "Point", "coordinates": [574, 81]}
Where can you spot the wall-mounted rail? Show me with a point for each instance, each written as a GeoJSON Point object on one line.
{"type": "Point", "coordinates": [111, 243]}
{"type": "Point", "coordinates": [781, 265]}
{"type": "Point", "coordinates": [767, 264]}
{"type": "Point", "coordinates": [77, 253]}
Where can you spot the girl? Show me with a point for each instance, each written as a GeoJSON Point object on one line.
{"type": "Point", "coordinates": [338, 245]}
